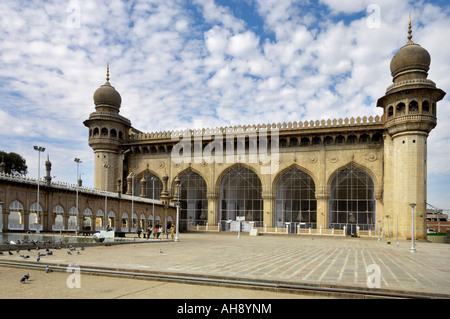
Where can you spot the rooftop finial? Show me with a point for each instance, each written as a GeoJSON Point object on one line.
{"type": "Point", "coordinates": [409, 30]}
{"type": "Point", "coordinates": [107, 73]}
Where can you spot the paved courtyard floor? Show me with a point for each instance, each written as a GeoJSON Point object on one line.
{"type": "Point", "coordinates": [334, 261]}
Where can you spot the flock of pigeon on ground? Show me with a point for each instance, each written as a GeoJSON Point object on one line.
{"type": "Point", "coordinates": [37, 246]}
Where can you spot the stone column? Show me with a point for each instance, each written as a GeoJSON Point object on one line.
{"type": "Point", "coordinates": [213, 217]}
{"type": "Point", "coordinates": [322, 210]}
{"type": "Point", "coordinates": [268, 211]}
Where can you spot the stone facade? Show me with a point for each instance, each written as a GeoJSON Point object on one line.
{"type": "Point", "coordinates": [361, 172]}
{"type": "Point", "coordinates": [58, 208]}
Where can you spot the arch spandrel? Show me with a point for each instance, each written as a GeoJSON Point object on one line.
{"type": "Point", "coordinates": [280, 173]}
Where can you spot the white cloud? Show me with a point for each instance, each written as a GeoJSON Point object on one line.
{"type": "Point", "coordinates": [173, 63]}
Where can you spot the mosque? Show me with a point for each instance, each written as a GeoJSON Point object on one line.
{"type": "Point", "coordinates": [366, 173]}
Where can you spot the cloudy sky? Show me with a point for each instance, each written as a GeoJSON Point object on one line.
{"type": "Point", "coordinates": [178, 63]}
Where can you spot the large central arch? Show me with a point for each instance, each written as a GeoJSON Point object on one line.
{"type": "Point", "coordinates": [240, 195]}
{"type": "Point", "coordinates": [352, 200]}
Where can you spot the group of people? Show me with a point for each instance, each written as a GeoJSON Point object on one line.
{"type": "Point", "coordinates": [156, 231]}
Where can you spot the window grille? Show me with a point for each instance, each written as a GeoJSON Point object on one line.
{"type": "Point", "coordinates": [240, 196]}
{"type": "Point", "coordinates": [352, 201]}
{"type": "Point", "coordinates": [295, 201]}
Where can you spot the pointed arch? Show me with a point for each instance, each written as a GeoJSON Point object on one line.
{"type": "Point", "coordinates": [240, 195]}
{"type": "Point", "coordinates": [352, 198]}
{"type": "Point", "coordinates": [193, 198]}
{"type": "Point", "coordinates": [295, 200]}
{"type": "Point", "coordinates": [147, 175]}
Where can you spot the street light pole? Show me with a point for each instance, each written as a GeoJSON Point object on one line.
{"type": "Point", "coordinates": [39, 149]}
{"type": "Point", "coordinates": [413, 248]}
{"type": "Point", "coordinates": [153, 179]}
{"type": "Point", "coordinates": [78, 161]}
{"type": "Point", "coordinates": [132, 198]}
{"type": "Point", "coordinates": [177, 185]}
{"type": "Point", "coordinates": [389, 233]}
{"type": "Point", "coordinates": [106, 166]}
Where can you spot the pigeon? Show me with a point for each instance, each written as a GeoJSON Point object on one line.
{"type": "Point", "coordinates": [160, 251]}
{"type": "Point", "coordinates": [47, 269]}
{"type": "Point", "coordinates": [49, 253]}
{"type": "Point", "coordinates": [10, 252]}
{"type": "Point", "coordinates": [25, 256]}
{"type": "Point", "coordinates": [69, 253]}
{"type": "Point", "coordinates": [22, 280]}
{"type": "Point", "coordinates": [82, 248]}
{"type": "Point", "coordinates": [78, 252]}
{"type": "Point", "coordinates": [38, 258]}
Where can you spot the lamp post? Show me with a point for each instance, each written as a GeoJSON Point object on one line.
{"type": "Point", "coordinates": [389, 233]}
{"type": "Point", "coordinates": [413, 248]}
{"type": "Point", "coordinates": [78, 161]}
{"type": "Point", "coordinates": [397, 232]}
{"type": "Point", "coordinates": [177, 198]}
{"type": "Point", "coordinates": [132, 198]}
{"type": "Point", "coordinates": [153, 179]}
{"type": "Point", "coordinates": [39, 149]}
{"type": "Point", "coordinates": [106, 166]}
{"type": "Point", "coordinates": [379, 229]}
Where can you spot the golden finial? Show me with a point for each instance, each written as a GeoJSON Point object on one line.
{"type": "Point", "coordinates": [409, 30]}
{"type": "Point", "coordinates": [107, 73]}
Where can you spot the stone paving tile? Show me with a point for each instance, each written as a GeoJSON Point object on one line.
{"type": "Point", "coordinates": [295, 259]}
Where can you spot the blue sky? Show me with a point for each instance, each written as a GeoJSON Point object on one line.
{"type": "Point", "coordinates": [214, 62]}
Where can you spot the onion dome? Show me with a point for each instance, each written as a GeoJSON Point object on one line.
{"type": "Point", "coordinates": [411, 61]}
{"type": "Point", "coordinates": [106, 95]}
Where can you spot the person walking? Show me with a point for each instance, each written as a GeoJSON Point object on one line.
{"type": "Point", "coordinates": [172, 231]}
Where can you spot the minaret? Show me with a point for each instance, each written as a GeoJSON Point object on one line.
{"type": "Point", "coordinates": [409, 116]}
{"type": "Point", "coordinates": [48, 169]}
{"type": "Point", "coordinates": [107, 132]}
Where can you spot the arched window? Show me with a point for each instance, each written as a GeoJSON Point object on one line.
{"type": "Point", "coordinates": [400, 110]}
{"type": "Point", "coordinates": [104, 132]}
{"type": "Point", "coordinates": [364, 138]}
{"type": "Point", "coordinates": [328, 140]}
{"type": "Point", "coordinates": [316, 140]}
{"type": "Point", "coordinates": [352, 139]}
{"type": "Point", "coordinates": [293, 141]}
{"type": "Point", "coordinates": [193, 200]}
{"type": "Point", "coordinates": [240, 196]}
{"type": "Point", "coordinates": [304, 141]}
{"type": "Point", "coordinates": [352, 201]}
{"type": "Point", "coordinates": [413, 107]}
{"type": "Point", "coordinates": [150, 180]}
{"type": "Point", "coordinates": [390, 111]}
{"type": "Point", "coordinates": [340, 139]}
{"type": "Point", "coordinates": [425, 107]}
{"type": "Point", "coordinates": [15, 218]}
{"type": "Point", "coordinates": [113, 133]}
{"type": "Point", "coordinates": [295, 201]}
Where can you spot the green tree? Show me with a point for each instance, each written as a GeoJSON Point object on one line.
{"type": "Point", "coordinates": [14, 163]}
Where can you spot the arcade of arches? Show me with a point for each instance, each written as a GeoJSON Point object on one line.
{"type": "Point", "coordinates": [240, 194]}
